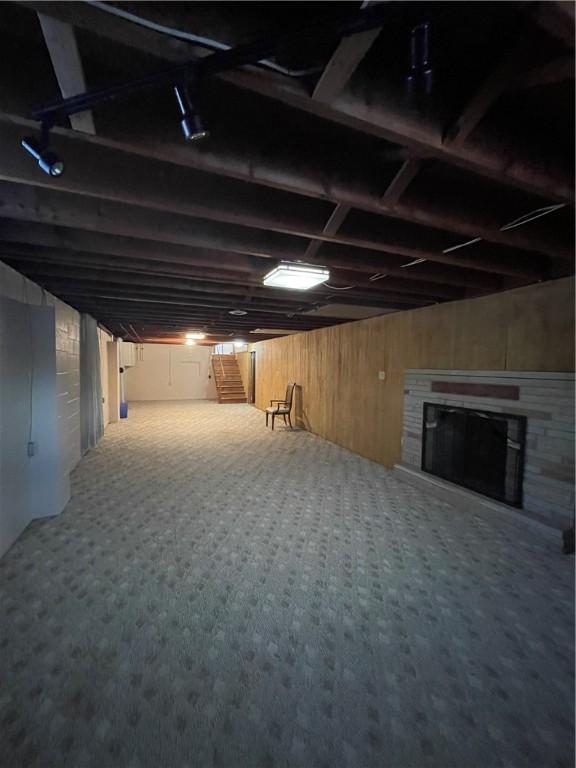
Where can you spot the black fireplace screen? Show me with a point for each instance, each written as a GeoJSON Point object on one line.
{"type": "Point", "coordinates": [480, 450]}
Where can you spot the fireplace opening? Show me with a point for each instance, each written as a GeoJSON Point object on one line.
{"type": "Point", "coordinates": [479, 450]}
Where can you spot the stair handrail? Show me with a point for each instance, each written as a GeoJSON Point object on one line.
{"type": "Point", "coordinates": [221, 365]}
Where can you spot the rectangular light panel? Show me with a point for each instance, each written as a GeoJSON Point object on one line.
{"type": "Point", "coordinates": [298, 277]}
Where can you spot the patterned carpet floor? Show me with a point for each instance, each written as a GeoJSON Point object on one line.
{"type": "Point", "coordinates": [216, 595]}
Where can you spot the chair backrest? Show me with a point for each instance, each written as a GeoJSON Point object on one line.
{"type": "Point", "coordinates": [289, 394]}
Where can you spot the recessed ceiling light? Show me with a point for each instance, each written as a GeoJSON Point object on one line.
{"type": "Point", "coordinates": [190, 342]}
{"type": "Point", "coordinates": [298, 277]}
{"type": "Point", "coordinates": [237, 312]}
{"type": "Point", "coordinates": [195, 335]}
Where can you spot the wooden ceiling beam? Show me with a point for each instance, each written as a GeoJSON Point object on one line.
{"type": "Point", "coordinates": [60, 40]}
{"type": "Point", "coordinates": [557, 71]}
{"type": "Point", "coordinates": [343, 63]}
{"type": "Point", "coordinates": [202, 320]}
{"type": "Point", "coordinates": [374, 118]}
{"type": "Point", "coordinates": [156, 255]}
{"type": "Point", "coordinates": [500, 79]}
{"type": "Point", "coordinates": [331, 227]}
{"type": "Point", "coordinates": [401, 181]}
{"type": "Point", "coordinates": [50, 262]}
{"type": "Point", "coordinates": [179, 287]}
{"type": "Point", "coordinates": [15, 253]}
{"type": "Point", "coordinates": [277, 173]}
{"type": "Point", "coordinates": [98, 217]}
{"type": "Point", "coordinates": [556, 17]}
{"type": "Point", "coordinates": [38, 246]}
{"type": "Point", "coordinates": [124, 220]}
{"type": "Point", "coordinates": [359, 113]}
{"type": "Point", "coordinates": [129, 222]}
{"type": "Point", "coordinates": [126, 293]}
{"type": "Point", "coordinates": [93, 172]}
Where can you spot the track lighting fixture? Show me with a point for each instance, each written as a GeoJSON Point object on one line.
{"type": "Point", "coordinates": [48, 161]}
{"type": "Point", "coordinates": [191, 122]}
{"type": "Point", "coordinates": [420, 78]}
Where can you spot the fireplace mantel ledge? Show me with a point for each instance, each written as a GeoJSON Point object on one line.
{"type": "Point", "coordinates": [552, 375]}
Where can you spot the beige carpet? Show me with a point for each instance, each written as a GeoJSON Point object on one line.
{"type": "Point", "coordinates": [218, 595]}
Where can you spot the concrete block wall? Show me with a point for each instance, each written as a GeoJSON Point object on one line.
{"type": "Point", "coordinates": [547, 401]}
{"type": "Point", "coordinates": [15, 286]}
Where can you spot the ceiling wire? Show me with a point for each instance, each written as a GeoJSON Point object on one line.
{"type": "Point", "coordinates": [190, 37]}
{"type": "Point", "coordinates": [519, 222]}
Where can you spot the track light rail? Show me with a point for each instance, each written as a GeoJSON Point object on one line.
{"type": "Point", "coordinates": [241, 55]}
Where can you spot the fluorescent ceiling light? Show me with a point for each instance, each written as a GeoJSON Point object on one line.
{"type": "Point", "coordinates": [190, 342]}
{"type": "Point", "coordinates": [195, 335]}
{"type": "Point", "coordinates": [299, 277]}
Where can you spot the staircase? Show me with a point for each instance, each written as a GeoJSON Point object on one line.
{"type": "Point", "coordinates": [228, 380]}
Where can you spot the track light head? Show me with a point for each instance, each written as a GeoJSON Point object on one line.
{"type": "Point", "coordinates": [193, 128]}
{"type": "Point", "coordinates": [48, 161]}
{"type": "Point", "coordinates": [191, 123]}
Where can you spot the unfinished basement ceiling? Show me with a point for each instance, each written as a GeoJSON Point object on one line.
{"type": "Point", "coordinates": [332, 161]}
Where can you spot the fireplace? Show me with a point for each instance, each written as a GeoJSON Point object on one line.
{"type": "Point", "coordinates": [479, 450]}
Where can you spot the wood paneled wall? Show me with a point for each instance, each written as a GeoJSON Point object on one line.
{"type": "Point", "coordinates": [340, 396]}
{"type": "Point", "coordinates": [244, 366]}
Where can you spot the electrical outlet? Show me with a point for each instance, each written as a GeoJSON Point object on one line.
{"type": "Point", "coordinates": [31, 448]}
{"type": "Point", "coordinates": [382, 375]}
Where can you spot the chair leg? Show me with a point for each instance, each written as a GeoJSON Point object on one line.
{"type": "Point", "coordinates": [273, 417]}
{"type": "Point", "coordinates": [266, 418]}
{"type": "Point", "coordinates": [285, 422]}
{"type": "Point", "coordinates": [290, 422]}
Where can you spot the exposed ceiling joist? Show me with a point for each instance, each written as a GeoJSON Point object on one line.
{"type": "Point", "coordinates": [557, 18]}
{"type": "Point", "coordinates": [343, 63]}
{"type": "Point", "coordinates": [500, 79]}
{"type": "Point", "coordinates": [401, 181]}
{"type": "Point", "coordinates": [330, 228]}
{"type": "Point", "coordinates": [93, 172]}
{"type": "Point", "coordinates": [346, 109]}
{"type": "Point", "coordinates": [61, 42]}
{"type": "Point", "coordinates": [557, 71]}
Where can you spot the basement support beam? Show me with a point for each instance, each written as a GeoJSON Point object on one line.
{"type": "Point", "coordinates": [330, 228]}
{"type": "Point", "coordinates": [401, 182]}
{"type": "Point", "coordinates": [63, 49]}
{"type": "Point", "coordinates": [362, 115]}
{"type": "Point", "coordinates": [498, 81]}
{"type": "Point", "coordinates": [94, 172]}
{"type": "Point", "coordinates": [277, 174]}
{"type": "Point", "coordinates": [557, 71]}
{"type": "Point", "coordinates": [344, 62]}
{"type": "Point", "coordinates": [556, 17]}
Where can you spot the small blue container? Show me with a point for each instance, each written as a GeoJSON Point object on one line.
{"type": "Point", "coordinates": [123, 410]}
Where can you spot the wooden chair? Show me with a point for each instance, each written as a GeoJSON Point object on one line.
{"type": "Point", "coordinates": [282, 407]}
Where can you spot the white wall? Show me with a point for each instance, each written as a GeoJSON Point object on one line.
{"type": "Point", "coordinates": [103, 339]}
{"type": "Point", "coordinates": [13, 285]}
{"type": "Point", "coordinates": [40, 391]}
{"type": "Point", "coordinates": [171, 372]}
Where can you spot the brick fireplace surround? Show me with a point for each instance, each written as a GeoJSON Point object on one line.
{"type": "Point", "coordinates": [547, 402]}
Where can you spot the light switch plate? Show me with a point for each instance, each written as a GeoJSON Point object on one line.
{"type": "Point", "coordinates": [382, 375]}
